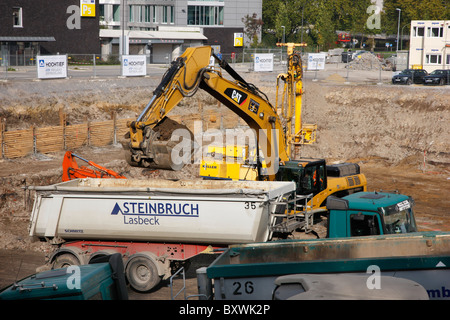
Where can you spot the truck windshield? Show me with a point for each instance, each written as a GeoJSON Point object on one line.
{"type": "Point", "coordinates": [399, 218]}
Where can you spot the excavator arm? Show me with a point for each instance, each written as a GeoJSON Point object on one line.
{"type": "Point", "coordinates": [145, 146]}
{"type": "Point", "coordinates": [188, 73]}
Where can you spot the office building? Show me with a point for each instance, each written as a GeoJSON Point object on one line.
{"type": "Point", "coordinates": [160, 29]}
{"type": "Point", "coordinates": [430, 44]}
{"type": "Point", "coordinates": [164, 29]}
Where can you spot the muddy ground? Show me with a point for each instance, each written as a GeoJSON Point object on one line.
{"type": "Point", "coordinates": [399, 135]}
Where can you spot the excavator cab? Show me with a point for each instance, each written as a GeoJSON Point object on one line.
{"type": "Point", "coordinates": [308, 175]}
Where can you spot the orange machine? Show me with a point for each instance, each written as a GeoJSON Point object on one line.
{"type": "Point", "coordinates": [71, 170]}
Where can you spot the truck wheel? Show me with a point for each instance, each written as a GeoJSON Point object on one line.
{"type": "Point", "coordinates": [65, 260]}
{"type": "Point", "coordinates": [142, 274]}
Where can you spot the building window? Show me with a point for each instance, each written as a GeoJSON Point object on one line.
{"type": "Point", "coordinates": [147, 14]}
{"type": "Point", "coordinates": [131, 16]}
{"type": "Point", "coordinates": [418, 31]}
{"type": "Point", "coordinates": [168, 14]}
{"type": "Point", "coordinates": [435, 32]}
{"type": "Point", "coordinates": [433, 59]}
{"type": "Point", "coordinates": [205, 15]}
{"type": "Point", "coordinates": [101, 14]}
{"type": "Point", "coordinates": [116, 12]}
{"type": "Point", "coordinates": [139, 14]}
{"type": "Point", "coordinates": [164, 15]}
{"type": "Point", "coordinates": [17, 17]}
{"type": "Point", "coordinates": [154, 15]}
{"type": "Point", "coordinates": [448, 59]}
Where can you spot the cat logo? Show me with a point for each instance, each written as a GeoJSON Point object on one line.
{"type": "Point", "coordinates": [238, 96]}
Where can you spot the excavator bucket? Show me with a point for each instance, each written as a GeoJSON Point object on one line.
{"type": "Point", "coordinates": [71, 170]}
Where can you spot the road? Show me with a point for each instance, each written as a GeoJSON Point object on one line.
{"type": "Point", "coordinates": [29, 73]}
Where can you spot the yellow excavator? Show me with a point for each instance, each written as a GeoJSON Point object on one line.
{"type": "Point", "coordinates": [148, 144]}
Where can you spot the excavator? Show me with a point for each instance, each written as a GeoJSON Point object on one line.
{"type": "Point", "coordinates": [71, 169]}
{"type": "Point", "coordinates": [146, 147]}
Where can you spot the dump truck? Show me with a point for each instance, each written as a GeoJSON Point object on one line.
{"type": "Point", "coordinates": [158, 225]}
{"type": "Point", "coordinates": [373, 267]}
{"type": "Point", "coordinates": [155, 224]}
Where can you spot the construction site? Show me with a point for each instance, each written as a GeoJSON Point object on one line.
{"type": "Point", "coordinates": [397, 136]}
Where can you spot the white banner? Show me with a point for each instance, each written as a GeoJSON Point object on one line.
{"type": "Point", "coordinates": [263, 61]}
{"type": "Point", "coordinates": [134, 65]}
{"type": "Point", "coordinates": [316, 61]}
{"type": "Point", "coordinates": [49, 67]}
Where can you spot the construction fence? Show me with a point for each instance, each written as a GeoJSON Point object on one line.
{"type": "Point", "coordinates": [21, 143]}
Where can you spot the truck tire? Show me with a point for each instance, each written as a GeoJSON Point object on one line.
{"type": "Point", "coordinates": [65, 260]}
{"type": "Point", "coordinates": [142, 273]}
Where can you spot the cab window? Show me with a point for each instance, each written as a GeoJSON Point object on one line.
{"type": "Point", "coordinates": [364, 225]}
{"type": "Point", "coordinates": [313, 179]}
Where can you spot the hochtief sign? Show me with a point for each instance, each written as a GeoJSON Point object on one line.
{"type": "Point", "coordinates": [263, 61]}
{"type": "Point", "coordinates": [49, 67]}
{"type": "Point", "coordinates": [316, 61]}
{"type": "Point", "coordinates": [134, 65]}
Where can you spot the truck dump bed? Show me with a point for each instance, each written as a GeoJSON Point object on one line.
{"type": "Point", "coordinates": [421, 257]}
{"type": "Point", "coordinates": [200, 211]}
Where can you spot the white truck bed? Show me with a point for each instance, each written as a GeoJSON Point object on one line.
{"type": "Point", "coordinates": [200, 211]}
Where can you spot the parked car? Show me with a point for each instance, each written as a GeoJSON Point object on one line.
{"type": "Point", "coordinates": [440, 77]}
{"type": "Point", "coordinates": [409, 76]}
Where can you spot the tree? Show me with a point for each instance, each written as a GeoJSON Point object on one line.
{"type": "Point", "coordinates": [412, 10]}
{"type": "Point", "coordinates": [323, 18]}
{"type": "Point", "coordinates": [252, 28]}
{"type": "Point", "coordinates": [325, 24]}
{"type": "Point", "coordinates": [282, 22]}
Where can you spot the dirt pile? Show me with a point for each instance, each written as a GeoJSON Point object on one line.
{"type": "Point", "coordinates": [40, 104]}
{"type": "Point", "coordinates": [368, 61]}
{"type": "Point", "coordinates": [396, 124]}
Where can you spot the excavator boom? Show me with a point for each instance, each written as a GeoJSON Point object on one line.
{"type": "Point", "coordinates": [188, 73]}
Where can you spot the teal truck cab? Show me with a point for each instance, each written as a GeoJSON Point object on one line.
{"type": "Point", "coordinates": [102, 279]}
{"type": "Point", "coordinates": [370, 213]}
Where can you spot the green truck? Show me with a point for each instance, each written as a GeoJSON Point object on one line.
{"type": "Point", "coordinates": [370, 213]}
{"type": "Point", "coordinates": [102, 279]}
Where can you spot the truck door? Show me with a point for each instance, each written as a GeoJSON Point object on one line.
{"type": "Point", "coordinates": [364, 224]}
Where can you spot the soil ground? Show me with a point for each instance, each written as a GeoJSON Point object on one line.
{"type": "Point", "coordinates": [399, 135]}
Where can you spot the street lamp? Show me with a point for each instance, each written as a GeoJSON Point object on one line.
{"type": "Point", "coordinates": [284, 29]}
{"type": "Point", "coordinates": [398, 27]}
